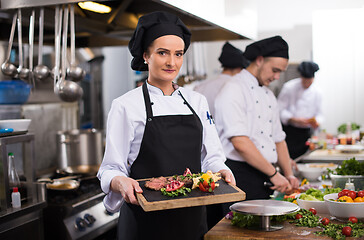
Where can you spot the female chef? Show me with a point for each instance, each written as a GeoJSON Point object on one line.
{"type": "Point", "coordinates": [158, 129]}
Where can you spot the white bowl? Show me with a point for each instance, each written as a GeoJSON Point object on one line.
{"type": "Point", "coordinates": [343, 210]}
{"type": "Point", "coordinates": [320, 206]}
{"type": "Point", "coordinates": [16, 124]}
{"type": "Point", "coordinates": [310, 173]}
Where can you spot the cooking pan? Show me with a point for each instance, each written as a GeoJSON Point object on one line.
{"type": "Point", "coordinates": [63, 185]}
{"type": "Point", "coordinates": [89, 170]}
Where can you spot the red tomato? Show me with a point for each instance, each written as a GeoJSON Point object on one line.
{"type": "Point", "coordinates": [345, 192]}
{"type": "Point", "coordinates": [298, 216]}
{"type": "Point", "coordinates": [353, 219]}
{"type": "Point", "coordinates": [174, 185]}
{"type": "Point", "coordinates": [206, 186]}
{"type": "Point", "coordinates": [325, 221]}
{"type": "Point", "coordinates": [361, 193]}
{"type": "Point", "coordinates": [314, 212]}
{"type": "Point", "coordinates": [352, 194]}
{"type": "Point", "coordinates": [346, 231]}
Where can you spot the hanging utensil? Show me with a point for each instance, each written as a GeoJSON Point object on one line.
{"type": "Point", "coordinates": [41, 72]}
{"type": "Point", "coordinates": [57, 46]}
{"type": "Point", "coordinates": [31, 47]}
{"type": "Point", "coordinates": [67, 90]}
{"type": "Point", "coordinates": [8, 68]}
{"type": "Point", "coordinates": [23, 72]}
{"type": "Point", "coordinates": [74, 72]}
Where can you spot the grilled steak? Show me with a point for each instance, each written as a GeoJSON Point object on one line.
{"type": "Point", "coordinates": [156, 183]}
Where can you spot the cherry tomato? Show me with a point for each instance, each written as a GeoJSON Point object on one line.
{"type": "Point", "coordinates": [325, 221]}
{"type": "Point", "coordinates": [314, 212]}
{"type": "Point", "coordinates": [353, 219]}
{"type": "Point", "coordinates": [298, 216]}
{"type": "Point", "coordinates": [345, 192]}
{"type": "Point", "coordinates": [352, 194]}
{"type": "Point", "coordinates": [346, 231]}
{"type": "Point", "coordinates": [361, 193]}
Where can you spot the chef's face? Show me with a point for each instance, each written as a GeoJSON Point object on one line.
{"type": "Point", "coordinates": [306, 82]}
{"type": "Point", "coordinates": [164, 58]}
{"type": "Point", "coordinates": [270, 68]}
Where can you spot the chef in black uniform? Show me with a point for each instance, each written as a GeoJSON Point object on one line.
{"type": "Point", "coordinates": [158, 129]}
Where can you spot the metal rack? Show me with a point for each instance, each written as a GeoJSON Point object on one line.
{"type": "Point", "coordinates": [27, 141]}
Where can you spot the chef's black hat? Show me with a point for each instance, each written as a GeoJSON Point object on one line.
{"type": "Point", "coordinates": [150, 27]}
{"type": "Point", "coordinates": [232, 57]}
{"type": "Point", "coordinates": [308, 69]}
{"type": "Point", "coordinates": [269, 47]}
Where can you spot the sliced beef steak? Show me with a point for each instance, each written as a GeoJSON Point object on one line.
{"type": "Point", "coordinates": [156, 183]}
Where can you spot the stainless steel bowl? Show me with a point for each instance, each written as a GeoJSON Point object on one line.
{"type": "Point", "coordinates": [341, 180]}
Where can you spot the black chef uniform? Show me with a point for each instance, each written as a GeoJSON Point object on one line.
{"type": "Point", "coordinates": [170, 144]}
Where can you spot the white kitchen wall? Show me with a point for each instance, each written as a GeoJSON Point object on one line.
{"type": "Point", "coordinates": [338, 38]}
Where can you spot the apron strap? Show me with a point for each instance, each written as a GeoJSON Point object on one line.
{"type": "Point", "coordinates": [148, 105]}
{"type": "Point", "coordinates": [188, 105]}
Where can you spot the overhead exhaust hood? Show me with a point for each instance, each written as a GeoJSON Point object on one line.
{"type": "Point", "coordinates": [116, 27]}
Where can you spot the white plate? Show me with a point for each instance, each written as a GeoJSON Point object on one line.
{"type": "Point", "coordinates": [349, 148]}
{"type": "Point", "coordinates": [16, 124]}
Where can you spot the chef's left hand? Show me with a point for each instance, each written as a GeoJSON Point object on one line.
{"type": "Point", "coordinates": [293, 181]}
{"type": "Point", "coordinates": [228, 176]}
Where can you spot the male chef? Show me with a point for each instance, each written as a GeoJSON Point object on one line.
{"type": "Point", "coordinates": [247, 119]}
{"type": "Point", "coordinates": [300, 108]}
{"type": "Point", "coordinates": [232, 61]}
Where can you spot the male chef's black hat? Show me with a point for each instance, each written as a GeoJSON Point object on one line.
{"type": "Point", "coordinates": [232, 57]}
{"type": "Point", "coordinates": [308, 69]}
{"type": "Point", "coordinates": [150, 27]}
{"type": "Point", "coordinates": [269, 47]}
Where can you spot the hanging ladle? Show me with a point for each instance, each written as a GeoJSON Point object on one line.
{"type": "Point", "coordinates": [23, 72]}
{"type": "Point", "coordinates": [67, 90]}
{"type": "Point", "coordinates": [41, 72]}
{"type": "Point", "coordinates": [31, 47]}
{"type": "Point", "coordinates": [8, 68]}
{"type": "Point", "coordinates": [74, 72]}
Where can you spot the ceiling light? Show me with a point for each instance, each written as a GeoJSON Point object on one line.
{"type": "Point", "coordinates": [94, 7]}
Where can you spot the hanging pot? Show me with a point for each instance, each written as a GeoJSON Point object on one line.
{"type": "Point", "coordinates": [79, 151]}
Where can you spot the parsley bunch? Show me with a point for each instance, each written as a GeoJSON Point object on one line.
{"type": "Point", "coordinates": [179, 192]}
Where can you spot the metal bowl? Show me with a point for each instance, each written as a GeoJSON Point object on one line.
{"type": "Point", "coordinates": [341, 180]}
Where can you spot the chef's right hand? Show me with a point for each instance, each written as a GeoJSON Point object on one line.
{"type": "Point", "coordinates": [126, 187]}
{"type": "Point", "coordinates": [281, 183]}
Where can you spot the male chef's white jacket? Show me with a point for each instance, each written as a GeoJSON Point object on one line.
{"type": "Point", "coordinates": [211, 87]}
{"type": "Point", "coordinates": [296, 101]}
{"type": "Point", "coordinates": [125, 129]}
{"type": "Point", "coordinates": [243, 108]}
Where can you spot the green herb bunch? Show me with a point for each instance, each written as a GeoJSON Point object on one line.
{"type": "Point", "coordinates": [179, 192]}
{"type": "Point", "coordinates": [349, 167]}
{"type": "Point", "coordinates": [335, 230]}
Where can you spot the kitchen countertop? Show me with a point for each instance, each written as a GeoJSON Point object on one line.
{"type": "Point", "coordinates": [332, 155]}
{"type": "Point", "coordinates": [223, 230]}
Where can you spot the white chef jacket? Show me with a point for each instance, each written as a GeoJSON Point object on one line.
{"type": "Point", "coordinates": [125, 129]}
{"type": "Point", "coordinates": [296, 101]}
{"type": "Point", "coordinates": [211, 87]}
{"type": "Point", "coordinates": [243, 108]}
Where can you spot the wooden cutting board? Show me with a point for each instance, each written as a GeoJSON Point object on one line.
{"type": "Point", "coordinates": [151, 200]}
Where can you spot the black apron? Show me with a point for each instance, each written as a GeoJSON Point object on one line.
{"type": "Point", "coordinates": [170, 144]}
{"type": "Point", "coordinates": [250, 180]}
{"type": "Point", "coordinates": [296, 140]}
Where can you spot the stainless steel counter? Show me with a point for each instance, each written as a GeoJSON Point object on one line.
{"type": "Point", "coordinates": [25, 222]}
{"type": "Point", "coordinates": [326, 155]}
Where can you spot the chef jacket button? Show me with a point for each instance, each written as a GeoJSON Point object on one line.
{"type": "Point", "coordinates": [257, 101]}
{"type": "Point", "coordinates": [252, 87]}
{"type": "Point", "coordinates": [149, 119]}
{"type": "Point", "coordinates": [259, 116]}
{"type": "Point", "coordinates": [152, 103]}
{"type": "Point", "coordinates": [261, 132]}
{"type": "Point", "coordinates": [270, 121]}
{"type": "Point", "coordinates": [270, 106]}
{"type": "Point", "coordinates": [274, 149]}
{"type": "Point", "coordinates": [266, 92]}
{"type": "Point", "coordinates": [270, 135]}
{"type": "Point", "coordinates": [262, 146]}
{"type": "Point", "coordinates": [184, 102]}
